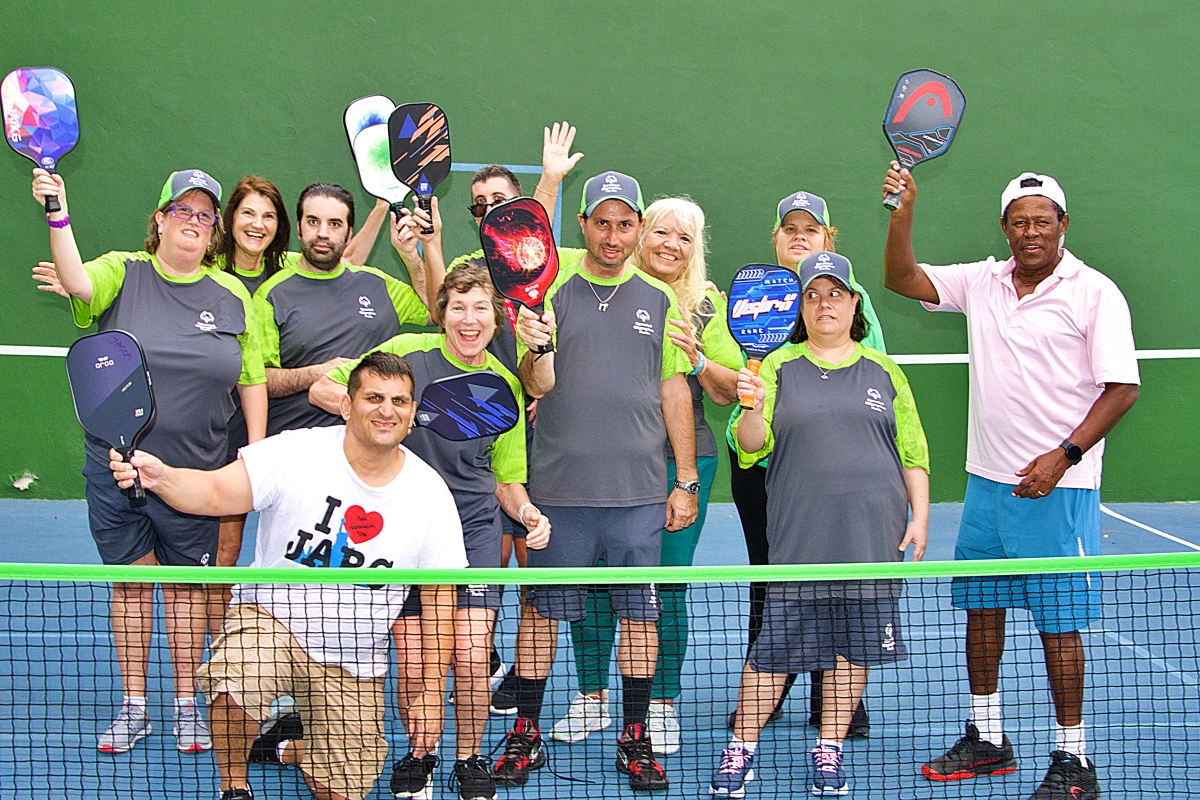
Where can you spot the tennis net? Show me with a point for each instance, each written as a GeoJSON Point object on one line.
{"type": "Point", "coordinates": [60, 686]}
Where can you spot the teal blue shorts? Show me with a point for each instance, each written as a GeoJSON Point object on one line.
{"type": "Point", "coordinates": [997, 525]}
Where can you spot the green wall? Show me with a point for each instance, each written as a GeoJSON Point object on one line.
{"type": "Point", "coordinates": [733, 104]}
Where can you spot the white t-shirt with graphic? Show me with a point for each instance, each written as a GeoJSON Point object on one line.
{"type": "Point", "coordinates": [316, 513]}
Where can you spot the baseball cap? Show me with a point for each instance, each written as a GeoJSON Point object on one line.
{"type": "Point", "coordinates": [825, 265]}
{"type": "Point", "coordinates": [1031, 184]}
{"type": "Point", "coordinates": [183, 181]}
{"type": "Point", "coordinates": [802, 201]}
{"type": "Point", "coordinates": [611, 186]}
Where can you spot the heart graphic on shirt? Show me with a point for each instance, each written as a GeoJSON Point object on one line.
{"type": "Point", "coordinates": [361, 525]}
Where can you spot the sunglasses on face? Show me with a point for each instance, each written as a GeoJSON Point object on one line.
{"type": "Point", "coordinates": [479, 209]}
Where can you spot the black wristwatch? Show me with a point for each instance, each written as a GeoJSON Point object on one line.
{"type": "Point", "coordinates": [691, 487]}
{"type": "Point", "coordinates": [1074, 451]}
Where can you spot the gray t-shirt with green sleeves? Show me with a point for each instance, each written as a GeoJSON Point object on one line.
{"type": "Point", "coordinates": [199, 339]}
{"type": "Point", "coordinates": [470, 467]}
{"type": "Point", "coordinates": [307, 318]}
{"type": "Point", "coordinates": [599, 439]}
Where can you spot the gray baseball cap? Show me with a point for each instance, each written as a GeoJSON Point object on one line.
{"type": "Point", "coordinates": [183, 181]}
{"type": "Point", "coordinates": [611, 186]}
{"type": "Point", "coordinates": [825, 265]}
{"type": "Point", "coordinates": [802, 201]}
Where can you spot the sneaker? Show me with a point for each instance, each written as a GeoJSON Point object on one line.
{"type": "Point", "coordinates": [662, 724]}
{"type": "Point", "coordinates": [284, 728]}
{"type": "Point", "coordinates": [474, 779]}
{"type": "Point", "coordinates": [860, 723]}
{"type": "Point", "coordinates": [776, 715]}
{"type": "Point", "coordinates": [829, 776]}
{"type": "Point", "coordinates": [735, 771]}
{"type": "Point", "coordinates": [635, 758]}
{"type": "Point", "coordinates": [237, 794]}
{"type": "Point", "coordinates": [130, 727]}
{"type": "Point", "coordinates": [499, 673]}
{"type": "Point", "coordinates": [413, 777]}
{"type": "Point", "coordinates": [971, 757]}
{"type": "Point", "coordinates": [1068, 779]}
{"type": "Point", "coordinates": [523, 753]}
{"type": "Point", "coordinates": [504, 697]}
{"type": "Point", "coordinates": [586, 716]}
{"type": "Point", "coordinates": [191, 731]}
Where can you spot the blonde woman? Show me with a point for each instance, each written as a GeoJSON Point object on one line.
{"type": "Point", "coordinates": [671, 249]}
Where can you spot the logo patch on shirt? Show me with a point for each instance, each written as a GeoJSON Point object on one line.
{"type": "Point", "coordinates": [874, 401]}
{"type": "Point", "coordinates": [643, 324]}
{"type": "Point", "coordinates": [365, 308]}
{"type": "Point", "coordinates": [889, 638]}
{"type": "Point", "coordinates": [206, 321]}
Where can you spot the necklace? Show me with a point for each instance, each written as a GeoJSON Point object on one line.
{"type": "Point", "coordinates": [825, 372]}
{"type": "Point", "coordinates": [603, 302]}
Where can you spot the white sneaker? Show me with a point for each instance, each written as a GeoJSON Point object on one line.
{"type": "Point", "coordinates": [662, 724]}
{"type": "Point", "coordinates": [130, 727]}
{"type": "Point", "coordinates": [586, 716]}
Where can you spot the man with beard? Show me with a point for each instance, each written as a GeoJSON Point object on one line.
{"type": "Point", "coordinates": [320, 311]}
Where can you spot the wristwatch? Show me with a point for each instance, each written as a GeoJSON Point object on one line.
{"type": "Point", "coordinates": [691, 487]}
{"type": "Point", "coordinates": [1074, 451]}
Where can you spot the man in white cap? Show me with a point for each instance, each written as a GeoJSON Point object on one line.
{"type": "Point", "coordinates": [1052, 370]}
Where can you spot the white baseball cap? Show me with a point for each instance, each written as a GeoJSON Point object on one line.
{"type": "Point", "coordinates": [1031, 184]}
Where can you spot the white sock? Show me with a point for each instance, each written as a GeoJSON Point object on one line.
{"type": "Point", "coordinates": [985, 713]}
{"type": "Point", "coordinates": [828, 743]}
{"type": "Point", "coordinates": [184, 702]}
{"type": "Point", "coordinates": [1072, 740]}
{"type": "Point", "coordinates": [747, 747]}
{"type": "Point", "coordinates": [136, 702]}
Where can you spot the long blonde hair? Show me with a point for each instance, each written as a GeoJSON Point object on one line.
{"type": "Point", "coordinates": [690, 285]}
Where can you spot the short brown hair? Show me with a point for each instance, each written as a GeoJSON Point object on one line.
{"type": "Point", "coordinates": [463, 279]}
{"type": "Point", "coordinates": [273, 257]}
{"type": "Point", "coordinates": [496, 171]}
{"type": "Point", "coordinates": [385, 365]}
{"type": "Point", "coordinates": [215, 243]}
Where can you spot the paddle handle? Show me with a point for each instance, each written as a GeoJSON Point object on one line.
{"type": "Point", "coordinates": [892, 201]}
{"type": "Point", "coordinates": [52, 204]}
{"type": "Point", "coordinates": [549, 346]}
{"type": "Point", "coordinates": [425, 203]}
{"type": "Point", "coordinates": [747, 401]}
{"type": "Point", "coordinates": [135, 493]}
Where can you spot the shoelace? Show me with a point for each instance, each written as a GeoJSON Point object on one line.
{"type": "Point", "coordinates": [131, 713]}
{"type": "Point", "coordinates": [828, 759]}
{"type": "Point", "coordinates": [733, 760]}
{"type": "Point", "coordinates": [474, 764]}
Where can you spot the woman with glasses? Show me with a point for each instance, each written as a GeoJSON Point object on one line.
{"type": "Point", "coordinates": [195, 325]}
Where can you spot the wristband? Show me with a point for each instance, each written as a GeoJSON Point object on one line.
{"type": "Point", "coordinates": [62, 223]}
{"type": "Point", "coordinates": [699, 365]}
{"type": "Point", "coordinates": [521, 512]}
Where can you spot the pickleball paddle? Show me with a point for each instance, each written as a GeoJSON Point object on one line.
{"type": "Point", "coordinates": [365, 112]}
{"type": "Point", "coordinates": [468, 406]}
{"type": "Point", "coordinates": [518, 246]}
{"type": "Point", "coordinates": [921, 119]}
{"type": "Point", "coordinates": [763, 309]}
{"type": "Point", "coordinates": [112, 392]}
{"type": "Point", "coordinates": [371, 153]}
{"type": "Point", "coordinates": [420, 149]}
{"type": "Point", "coordinates": [40, 119]}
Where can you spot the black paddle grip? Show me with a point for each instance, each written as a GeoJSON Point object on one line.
{"type": "Point", "coordinates": [135, 493]}
{"type": "Point", "coordinates": [425, 202]}
{"type": "Point", "coordinates": [892, 201]}
{"type": "Point", "coordinates": [52, 204]}
{"type": "Point", "coordinates": [549, 346]}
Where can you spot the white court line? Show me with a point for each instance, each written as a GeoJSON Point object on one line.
{"type": "Point", "coordinates": [1142, 652]}
{"type": "Point", "coordinates": [1155, 531]}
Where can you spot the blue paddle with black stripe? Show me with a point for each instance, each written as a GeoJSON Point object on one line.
{"type": "Point", "coordinates": [471, 405]}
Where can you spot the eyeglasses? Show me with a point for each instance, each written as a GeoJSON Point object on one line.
{"type": "Point", "coordinates": [185, 213]}
{"type": "Point", "coordinates": [479, 209]}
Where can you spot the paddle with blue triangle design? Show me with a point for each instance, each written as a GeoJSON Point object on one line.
{"type": "Point", "coordinates": [419, 141]}
{"type": "Point", "coordinates": [470, 405]}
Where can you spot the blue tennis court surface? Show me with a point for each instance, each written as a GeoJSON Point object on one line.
{"type": "Point", "coordinates": [1142, 710]}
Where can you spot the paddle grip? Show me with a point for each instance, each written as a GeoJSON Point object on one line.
{"type": "Point", "coordinates": [892, 201]}
{"type": "Point", "coordinates": [52, 204]}
{"type": "Point", "coordinates": [135, 493]}
{"type": "Point", "coordinates": [549, 346]}
{"type": "Point", "coordinates": [425, 202]}
{"type": "Point", "coordinates": [747, 401]}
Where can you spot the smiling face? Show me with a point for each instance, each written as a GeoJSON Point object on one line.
{"type": "Point", "coordinates": [324, 231]}
{"type": "Point", "coordinates": [666, 249]}
{"type": "Point", "coordinates": [610, 234]}
{"type": "Point", "coordinates": [185, 242]}
{"type": "Point", "coordinates": [380, 412]}
{"type": "Point", "coordinates": [797, 238]}
{"type": "Point", "coordinates": [827, 308]}
{"type": "Point", "coordinates": [255, 223]}
{"type": "Point", "coordinates": [1033, 230]}
{"type": "Point", "coordinates": [470, 323]}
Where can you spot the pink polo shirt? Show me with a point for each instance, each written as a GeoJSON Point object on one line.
{"type": "Point", "coordinates": [1036, 364]}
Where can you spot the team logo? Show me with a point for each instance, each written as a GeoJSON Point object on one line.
{"type": "Point", "coordinates": [824, 263]}
{"type": "Point", "coordinates": [801, 201]}
{"type": "Point", "coordinates": [889, 637]}
{"type": "Point", "coordinates": [365, 308]}
{"type": "Point", "coordinates": [611, 184]}
{"type": "Point", "coordinates": [206, 321]}
{"type": "Point", "coordinates": [643, 315]}
{"type": "Point", "coordinates": [198, 179]}
{"type": "Point", "coordinates": [874, 401]}
{"type": "Point", "coordinates": [643, 324]}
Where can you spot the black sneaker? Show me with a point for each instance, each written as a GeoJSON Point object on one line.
{"type": "Point", "coordinates": [1068, 779]}
{"type": "Point", "coordinates": [413, 777]}
{"type": "Point", "coordinates": [776, 715]}
{"type": "Point", "coordinates": [523, 753]}
{"type": "Point", "coordinates": [474, 779]}
{"type": "Point", "coordinates": [635, 758]}
{"type": "Point", "coordinates": [237, 794]}
{"type": "Point", "coordinates": [284, 728]}
{"type": "Point", "coordinates": [504, 698]}
{"type": "Point", "coordinates": [971, 757]}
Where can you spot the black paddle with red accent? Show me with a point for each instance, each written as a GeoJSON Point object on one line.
{"type": "Point", "coordinates": [419, 141]}
{"type": "Point", "coordinates": [518, 246]}
{"type": "Point", "coordinates": [921, 119]}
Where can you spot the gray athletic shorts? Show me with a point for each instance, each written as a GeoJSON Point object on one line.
{"type": "Point", "coordinates": [805, 634]}
{"type": "Point", "coordinates": [124, 534]}
{"type": "Point", "coordinates": [482, 536]}
{"type": "Point", "coordinates": [581, 537]}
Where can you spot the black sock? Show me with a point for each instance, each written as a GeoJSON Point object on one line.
{"type": "Point", "coordinates": [494, 662]}
{"type": "Point", "coordinates": [529, 693]}
{"type": "Point", "coordinates": [635, 696]}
